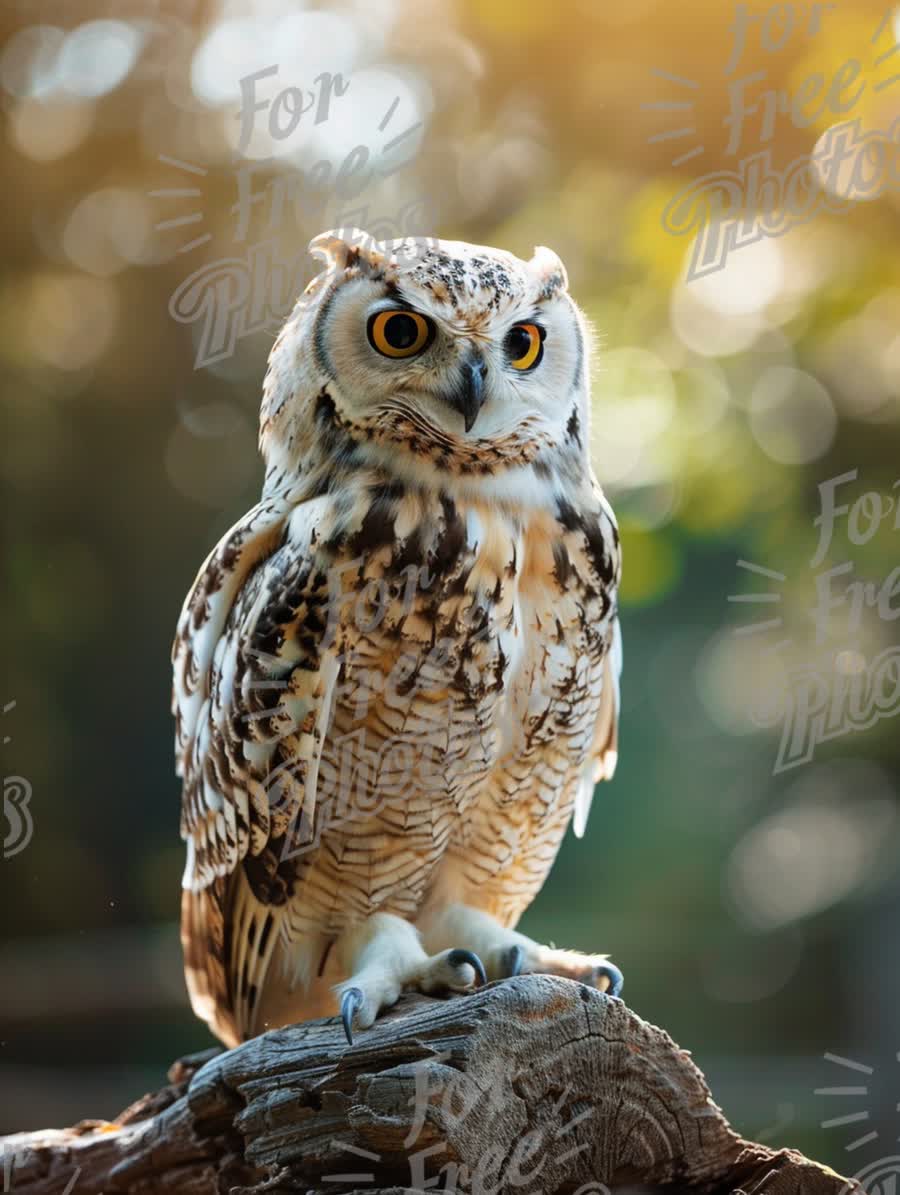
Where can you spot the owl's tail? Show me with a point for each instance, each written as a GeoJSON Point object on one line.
{"type": "Point", "coordinates": [203, 921]}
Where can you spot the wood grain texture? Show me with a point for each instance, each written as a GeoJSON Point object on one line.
{"type": "Point", "coordinates": [535, 1085]}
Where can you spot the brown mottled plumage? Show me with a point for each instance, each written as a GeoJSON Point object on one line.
{"type": "Point", "coordinates": [397, 676]}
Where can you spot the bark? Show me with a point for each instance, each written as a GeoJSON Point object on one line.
{"type": "Point", "coordinates": [536, 1085]}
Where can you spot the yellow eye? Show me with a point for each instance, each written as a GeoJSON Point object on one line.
{"type": "Point", "coordinates": [525, 346]}
{"type": "Point", "coordinates": [399, 333]}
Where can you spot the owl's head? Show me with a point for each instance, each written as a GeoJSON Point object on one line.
{"type": "Point", "coordinates": [434, 359]}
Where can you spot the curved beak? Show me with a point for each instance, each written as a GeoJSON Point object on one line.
{"type": "Point", "coordinates": [468, 397]}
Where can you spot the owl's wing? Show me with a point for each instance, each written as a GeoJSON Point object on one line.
{"type": "Point", "coordinates": [253, 691]}
{"type": "Point", "coordinates": [604, 570]}
{"type": "Point", "coordinates": [602, 761]}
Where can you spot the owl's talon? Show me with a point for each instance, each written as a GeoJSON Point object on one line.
{"type": "Point", "coordinates": [351, 1002]}
{"type": "Point", "coordinates": [611, 972]}
{"type": "Point", "coordinates": [449, 971]}
{"type": "Point", "coordinates": [511, 964]}
{"type": "Point", "coordinates": [458, 958]}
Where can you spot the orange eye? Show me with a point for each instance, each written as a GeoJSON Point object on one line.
{"type": "Point", "coordinates": [525, 346]}
{"type": "Point", "coordinates": [399, 333]}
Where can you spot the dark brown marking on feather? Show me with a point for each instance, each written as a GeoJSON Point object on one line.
{"type": "Point", "coordinates": [409, 552]}
{"type": "Point", "coordinates": [324, 958]}
{"type": "Point", "coordinates": [573, 429]}
{"type": "Point", "coordinates": [592, 531]}
{"type": "Point", "coordinates": [278, 610]}
{"type": "Point", "coordinates": [216, 947]}
{"type": "Point", "coordinates": [271, 880]}
{"type": "Point", "coordinates": [553, 283]}
{"type": "Point", "coordinates": [603, 560]}
{"type": "Point", "coordinates": [319, 348]}
{"type": "Point", "coordinates": [500, 667]}
{"type": "Point", "coordinates": [451, 543]}
{"type": "Point", "coordinates": [313, 622]}
{"type": "Point", "coordinates": [264, 934]}
{"type": "Point", "coordinates": [455, 585]}
{"type": "Point", "coordinates": [567, 515]}
{"type": "Point", "coordinates": [377, 527]}
{"type": "Point", "coordinates": [562, 565]}
{"type": "Point", "coordinates": [335, 441]}
{"type": "Point", "coordinates": [388, 491]}
{"type": "Point", "coordinates": [325, 412]}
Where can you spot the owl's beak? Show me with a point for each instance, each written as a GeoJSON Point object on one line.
{"type": "Point", "coordinates": [469, 395]}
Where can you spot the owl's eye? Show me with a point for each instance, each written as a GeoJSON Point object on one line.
{"type": "Point", "coordinates": [524, 346]}
{"type": "Point", "coordinates": [399, 333]}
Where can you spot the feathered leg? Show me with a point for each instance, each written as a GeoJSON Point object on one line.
{"type": "Point", "coordinates": [383, 956]}
{"type": "Point", "coordinates": [506, 952]}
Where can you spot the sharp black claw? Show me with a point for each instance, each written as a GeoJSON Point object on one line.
{"type": "Point", "coordinates": [351, 1001]}
{"type": "Point", "coordinates": [456, 958]}
{"type": "Point", "coordinates": [614, 975]}
{"type": "Point", "coordinates": [512, 961]}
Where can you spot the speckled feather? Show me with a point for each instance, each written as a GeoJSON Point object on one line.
{"type": "Point", "coordinates": [434, 612]}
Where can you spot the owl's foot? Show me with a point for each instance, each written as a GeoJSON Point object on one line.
{"type": "Point", "coordinates": [593, 969]}
{"type": "Point", "coordinates": [507, 953]}
{"type": "Point", "coordinates": [385, 957]}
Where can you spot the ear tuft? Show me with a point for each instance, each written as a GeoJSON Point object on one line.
{"type": "Point", "coordinates": [343, 248]}
{"type": "Point", "coordinates": [550, 270]}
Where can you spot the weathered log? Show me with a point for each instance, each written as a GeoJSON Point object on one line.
{"type": "Point", "coordinates": [535, 1085]}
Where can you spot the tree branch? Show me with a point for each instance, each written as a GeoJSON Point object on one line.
{"type": "Point", "coordinates": [535, 1085]}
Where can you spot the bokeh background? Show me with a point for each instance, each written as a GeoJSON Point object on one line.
{"type": "Point", "coordinates": [148, 257]}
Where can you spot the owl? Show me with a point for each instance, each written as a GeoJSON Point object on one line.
{"type": "Point", "coordinates": [396, 679]}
